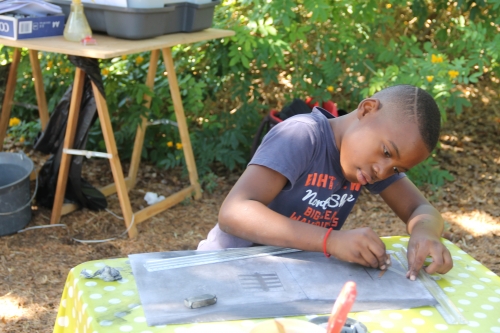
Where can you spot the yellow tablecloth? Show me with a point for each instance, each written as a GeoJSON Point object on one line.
{"type": "Point", "coordinates": [95, 306]}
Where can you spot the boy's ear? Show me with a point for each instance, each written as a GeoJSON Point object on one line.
{"type": "Point", "coordinates": [368, 106]}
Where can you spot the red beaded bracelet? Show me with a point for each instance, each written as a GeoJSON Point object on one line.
{"type": "Point", "coordinates": [328, 255]}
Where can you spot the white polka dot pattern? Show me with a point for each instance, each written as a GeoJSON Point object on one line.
{"type": "Point", "coordinates": [63, 321]}
{"type": "Point", "coordinates": [116, 305]}
{"type": "Point", "coordinates": [426, 313]}
{"type": "Point", "coordinates": [441, 327]}
{"type": "Point", "coordinates": [418, 321]}
{"type": "Point", "coordinates": [409, 330]}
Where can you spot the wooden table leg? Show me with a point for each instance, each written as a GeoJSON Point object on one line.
{"type": "Point", "coordinates": [116, 167]}
{"type": "Point", "coordinates": [39, 89]}
{"type": "Point", "coordinates": [140, 133]}
{"type": "Point", "coordinates": [62, 177]}
{"type": "Point", "coordinates": [141, 129]}
{"type": "Point", "coordinates": [181, 120]}
{"type": "Point", "coordinates": [9, 95]}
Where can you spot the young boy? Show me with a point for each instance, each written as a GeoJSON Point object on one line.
{"type": "Point", "coordinates": [307, 174]}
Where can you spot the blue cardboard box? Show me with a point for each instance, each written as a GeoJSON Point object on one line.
{"type": "Point", "coordinates": [31, 27]}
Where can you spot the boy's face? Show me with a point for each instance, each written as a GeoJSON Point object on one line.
{"type": "Point", "coordinates": [377, 146]}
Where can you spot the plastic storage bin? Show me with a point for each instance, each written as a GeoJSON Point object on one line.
{"type": "Point", "coordinates": [142, 23]}
{"type": "Point", "coordinates": [199, 16]}
{"type": "Point", "coordinates": [128, 23]}
{"type": "Point", "coordinates": [145, 3]}
{"type": "Point", "coordinates": [127, 3]}
{"type": "Point", "coordinates": [198, 2]}
{"type": "Point", "coordinates": [191, 17]}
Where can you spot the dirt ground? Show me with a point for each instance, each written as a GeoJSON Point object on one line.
{"type": "Point", "coordinates": [34, 264]}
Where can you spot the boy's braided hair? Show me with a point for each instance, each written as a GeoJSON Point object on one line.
{"type": "Point", "coordinates": [415, 104]}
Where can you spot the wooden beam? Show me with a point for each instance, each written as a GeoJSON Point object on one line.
{"type": "Point", "coordinates": [141, 129]}
{"type": "Point", "coordinates": [111, 188]}
{"type": "Point", "coordinates": [39, 89]}
{"type": "Point", "coordinates": [8, 97]}
{"type": "Point", "coordinates": [68, 208]}
{"type": "Point", "coordinates": [181, 120]}
{"type": "Point", "coordinates": [69, 137]}
{"type": "Point", "coordinates": [114, 161]}
{"type": "Point", "coordinates": [166, 203]}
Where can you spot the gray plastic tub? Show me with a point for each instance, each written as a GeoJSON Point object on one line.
{"type": "Point", "coordinates": [128, 23]}
{"type": "Point", "coordinates": [142, 23]}
{"type": "Point", "coordinates": [199, 17]}
{"type": "Point", "coordinates": [15, 202]}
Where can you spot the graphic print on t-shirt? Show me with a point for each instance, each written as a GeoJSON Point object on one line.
{"type": "Point", "coordinates": [322, 205]}
{"type": "Point", "coordinates": [304, 150]}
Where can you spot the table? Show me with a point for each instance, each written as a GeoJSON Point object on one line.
{"type": "Point", "coordinates": [107, 48]}
{"type": "Point", "coordinates": [92, 305]}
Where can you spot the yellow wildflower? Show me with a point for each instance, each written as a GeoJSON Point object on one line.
{"type": "Point", "coordinates": [124, 57]}
{"type": "Point", "coordinates": [105, 71]}
{"type": "Point", "coordinates": [139, 60]}
{"type": "Point", "coordinates": [388, 6]}
{"type": "Point", "coordinates": [453, 74]}
{"type": "Point", "coordinates": [436, 59]}
{"type": "Point", "coordinates": [330, 88]}
{"type": "Point", "coordinates": [50, 63]}
{"type": "Point", "coordinates": [21, 139]}
{"type": "Point", "coordinates": [67, 70]}
{"type": "Point", "coordinates": [14, 121]}
{"type": "Point", "coordinates": [430, 78]}
{"type": "Point", "coordinates": [170, 144]}
{"type": "Point", "coordinates": [178, 145]}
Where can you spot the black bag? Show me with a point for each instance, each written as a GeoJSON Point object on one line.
{"type": "Point", "coordinates": [78, 190]}
{"type": "Point", "coordinates": [297, 106]}
{"type": "Point", "coordinates": [274, 117]}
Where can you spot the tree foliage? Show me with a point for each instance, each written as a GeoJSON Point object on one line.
{"type": "Point", "coordinates": [340, 50]}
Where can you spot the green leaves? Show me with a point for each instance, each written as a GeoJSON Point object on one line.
{"type": "Point", "coordinates": [429, 172]}
{"type": "Point", "coordinates": [342, 50]}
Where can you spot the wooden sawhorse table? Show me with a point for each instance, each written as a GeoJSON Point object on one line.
{"type": "Point", "coordinates": [109, 47]}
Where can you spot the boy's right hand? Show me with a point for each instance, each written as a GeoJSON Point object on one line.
{"type": "Point", "coordinates": [362, 246]}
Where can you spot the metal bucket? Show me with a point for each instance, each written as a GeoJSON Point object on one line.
{"type": "Point", "coordinates": [15, 201]}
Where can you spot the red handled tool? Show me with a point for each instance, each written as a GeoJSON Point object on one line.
{"type": "Point", "coordinates": [341, 308]}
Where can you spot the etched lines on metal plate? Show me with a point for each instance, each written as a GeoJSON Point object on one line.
{"type": "Point", "coordinates": [261, 282]}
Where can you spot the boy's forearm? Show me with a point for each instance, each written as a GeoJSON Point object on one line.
{"type": "Point", "coordinates": [426, 218]}
{"type": "Point", "coordinates": [253, 221]}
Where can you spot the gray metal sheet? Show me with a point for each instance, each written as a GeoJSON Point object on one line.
{"type": "Point", "coordinates": [298, 283]}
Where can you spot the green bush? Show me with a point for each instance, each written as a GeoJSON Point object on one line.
{"type": "Point", "coordinates": [329, 50]}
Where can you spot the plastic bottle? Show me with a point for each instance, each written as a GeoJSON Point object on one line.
{"type": "Point", "coordinates": [77, 27]}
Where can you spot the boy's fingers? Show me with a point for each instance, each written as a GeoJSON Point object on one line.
{"type": "Point", "coordinates": [370, 259]}
{"type": "Point", "coordinates": [441, 264]}
{"type": "Point", "coordinates": [416, 260]}
{"type": "Point", "coordinates": [448, 263]}
{"type": "Point", "coordinates": [375, 253]}
{"type": "Point", "coordinates": [381, 258]}
{"type": "Point", "coordinates": [434, 266]}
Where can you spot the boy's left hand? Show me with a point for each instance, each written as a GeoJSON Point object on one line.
{"type": "Point", "coordinates": [422, 245]}
{"type": "Point", "coordinates": [425, 225]}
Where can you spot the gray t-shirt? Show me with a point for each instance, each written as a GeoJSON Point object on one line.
{"type": "Point", "coordinates": [303, 149]}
